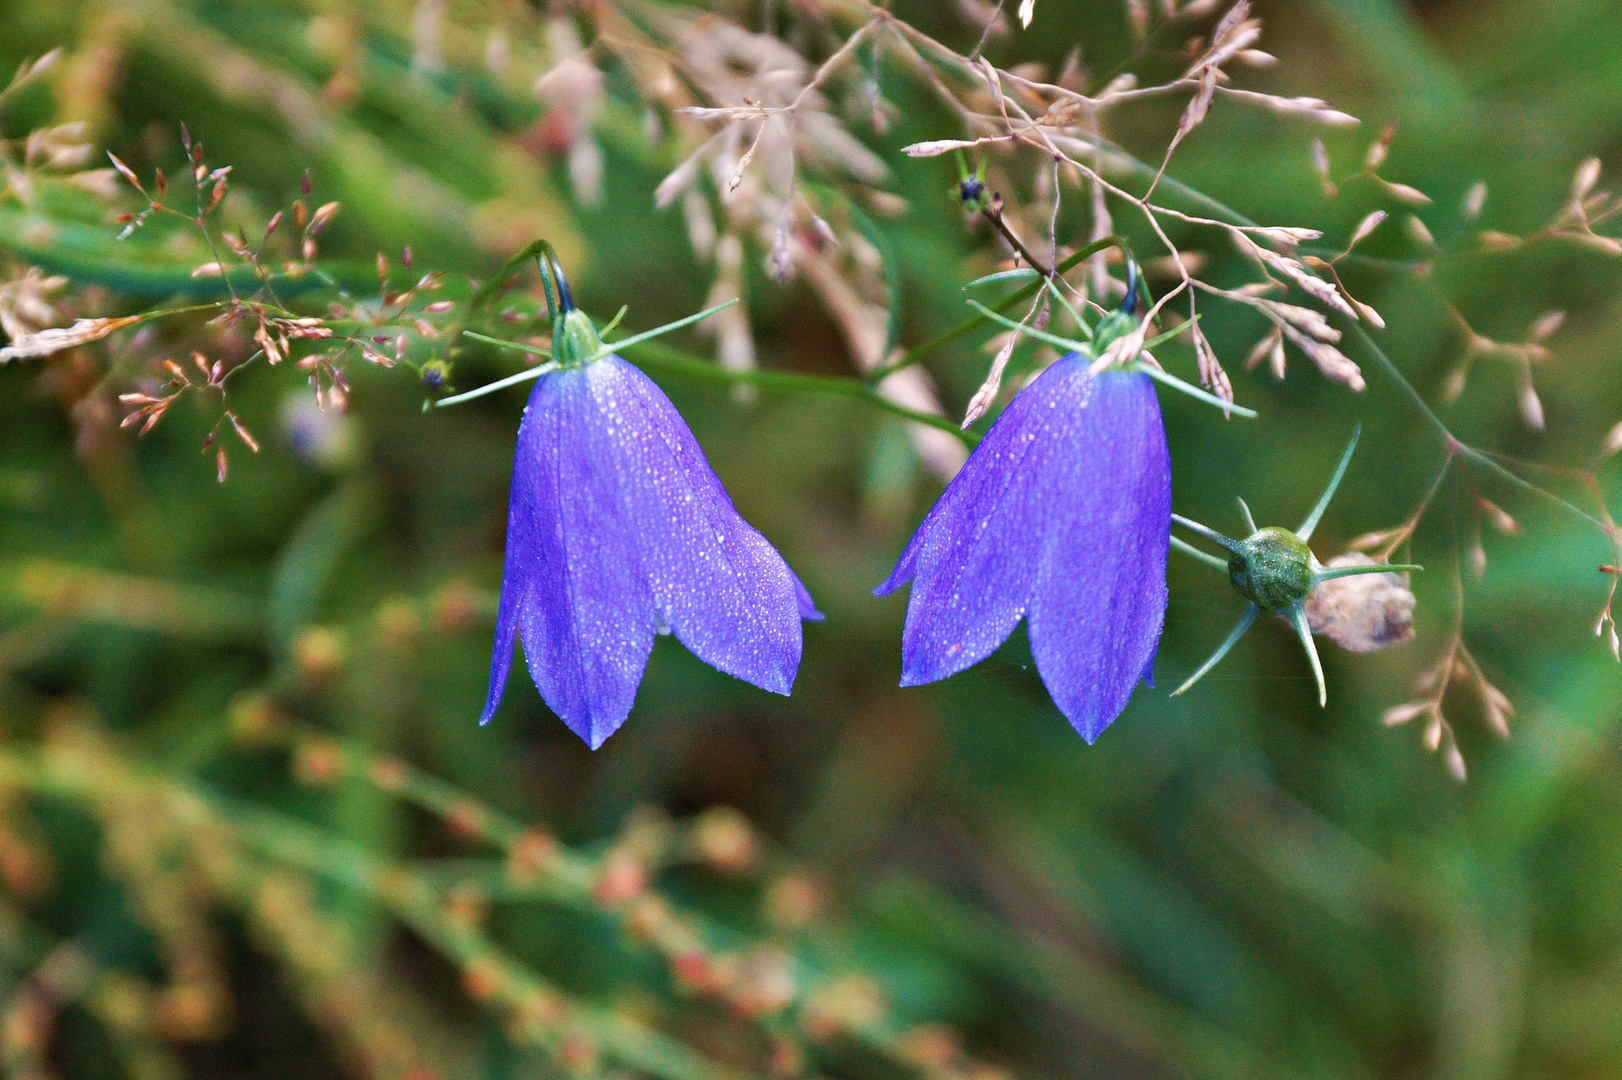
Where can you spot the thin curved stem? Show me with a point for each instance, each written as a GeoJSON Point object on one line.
{"type": "Point", "coordinates": [1469, 452]}
{"type": "Point", "coordinates": [1218, 209]}
{"type": "Point", "coordinates": [1251, 611]}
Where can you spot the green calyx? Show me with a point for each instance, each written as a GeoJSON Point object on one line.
{"type": "Point", "coordinates": [1272, 569]}
{"type": "Point", "coordinates": [1124, 319]}
{"type": "Point", "coordinates": [575, 342]}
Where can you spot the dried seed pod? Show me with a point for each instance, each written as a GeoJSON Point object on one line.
{"type": "Point", "coordinates": [1365, 612]}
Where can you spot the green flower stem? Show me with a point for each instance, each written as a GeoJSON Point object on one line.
{"type": "Point", "coordinates": [663, 358]}
{"type": "Point", "coordinates": [968, 326]}
{"type": "Point", "coordinates": [489, 291]}
{"type": "Point", "coordinates": [1470, 453]}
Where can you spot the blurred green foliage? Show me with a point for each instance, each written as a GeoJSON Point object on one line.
{"type": "Point", "coordinates": [1235, 883]}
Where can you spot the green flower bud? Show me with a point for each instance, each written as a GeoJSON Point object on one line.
{"type": "Point", "coordinates": [574, 339]}
{"type": "Point", "coordinates": [1272, 568]}
{"type": "Point", "coordinates": [435, 373]}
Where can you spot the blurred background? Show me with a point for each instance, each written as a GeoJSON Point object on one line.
{"type": "Point", "coordinates": [249, 826]}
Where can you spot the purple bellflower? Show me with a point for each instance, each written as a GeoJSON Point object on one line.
{"type": "Point", "coordinates": [1060, 517]}
{"type": "Point", "coordinates": [618, 530]}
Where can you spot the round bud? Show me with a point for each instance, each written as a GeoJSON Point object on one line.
{"type": "Point", "coordinates": [1273, 569]}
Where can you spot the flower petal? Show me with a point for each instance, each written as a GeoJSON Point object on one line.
{"type": "Point", "coordinates": [802, 595]}
{"type": "Point", "coordinates": [716, 582]}
{"type": "Point", "coordinates": [501, 658]}
{"type": "Point", "coordinates": [618, 526]}
{"type": "Point", "coordinates": [1100, 597]}
{"type": "Point", "coordinates": [1061, 515]}
{"type": "Point", "coordinates": [975, 558]}
{"type": "Point", "coordinates": [573, 571]}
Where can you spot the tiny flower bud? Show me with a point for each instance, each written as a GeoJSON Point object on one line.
{"type": "Point", "coordinates": [1273, 568]}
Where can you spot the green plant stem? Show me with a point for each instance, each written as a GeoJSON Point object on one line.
{"type": "Point", "coordinates": [489, 291]}
{"type": "Point", "coordinates": [291, 841]}
{"type": "Point", "coordinates": [1458, 448]}
{"type": "Point", "coordinates": [973, 323]}
{"type": "Point", "coordinates": [663, 358]}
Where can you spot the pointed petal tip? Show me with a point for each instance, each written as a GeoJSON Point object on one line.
{"type": "Point", "coordinates": [493, 701]}
{"type": "Point", "coordinates": [595, 734]}
{"type": "Point", "coordinates": [802, 596]}
{"type": "Point", "coordinates": [780, 682]}
{"type": "Point", "coordinates": [1089, 728]}
{"type": "Point", "coordinates": [890, 585]}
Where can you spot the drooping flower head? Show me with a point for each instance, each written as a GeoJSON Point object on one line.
{"type": "Point", "coordinates": [1061, 517]}
{"type": "Point", "coordinates": [618, 530]}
